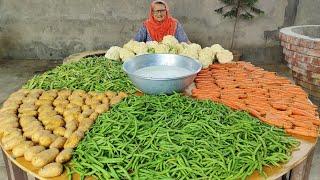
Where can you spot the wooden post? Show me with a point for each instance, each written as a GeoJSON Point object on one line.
{"type": "Point", "coordinates": [302, 171]}
{"type": "Point", "coordinates": [13, 171]}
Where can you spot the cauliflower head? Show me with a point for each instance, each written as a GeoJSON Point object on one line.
{"type": "Point", "coordinates": [189, 52]}
{"type": "Point", "coordinates": [130, 45]}
{"type": "Point", "coordinates": [113, 53]}
{"type": "Point", "coordinates": [224, 56]}
{"type": "Point", "coordinates": [161, 48]}
{"type": "Point", "coordinates": [216, 48]}
{"type": "Point", "coordinates": [140, 48]}
{"type": "Point", "coordinates": [151, 45]}
{"type": "Point", "coordinates": [125, 54]}
{"type": "Point", "coordinates": [170, 40]}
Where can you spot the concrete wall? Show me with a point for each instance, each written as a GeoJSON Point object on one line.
{"type": "Point", "coordinates": [308, 12]}
{"type": "Point", "coordinates": [54, 29]}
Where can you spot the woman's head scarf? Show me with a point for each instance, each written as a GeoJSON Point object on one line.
{"type": "Point", "coordinates": [158, 30]}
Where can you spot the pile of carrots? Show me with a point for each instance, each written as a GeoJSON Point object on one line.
{"type": "Point", "coordinates": [272, 99]}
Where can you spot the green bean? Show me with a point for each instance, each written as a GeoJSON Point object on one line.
{"type": "Point", "coordinates": [175, 137]}
{"type": "Point", "coordinates": [89, 74]}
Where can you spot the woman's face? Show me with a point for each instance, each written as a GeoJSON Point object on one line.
{"type": "Point", "coordinates": [159, 12]}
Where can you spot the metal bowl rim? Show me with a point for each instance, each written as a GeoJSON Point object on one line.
{"type": "Point", "coordinates": [161, 79]}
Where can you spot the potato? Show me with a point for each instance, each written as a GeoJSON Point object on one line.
{"type": "Point", "coordinates": [74, 111]}
{"type": "Point", "coordinates": [79, 92]}
{"type": "Point", "coordinates": [64, 92]}
{"type": "Point", "coordinates": [13, 143]}
{"type": "Point", "coordinates": [28, 134]}
{"type": "Point", "coordinates": [85, 107]}
{"type": "Point", "coordinates": [26, 110]}
{"type": "Point", "coordinates": [58, 143]}
{"type": "Point", "coordinates": [99, 96]}
{"type": "Point", "coordinates": [51, 170]}
{"type": "Point", "coordinates": [31, 125]}
{"type": "Point", "coordinates": [29, 100]}
{"type": "Point", "coordinates": [36, 91]}
{"type": "Point", "coordinates": [28, 106]}
{"type": "Point", "coordinates": [47, 139]}
{"type": "Point", "coordinates": [8, 131]}
{"type": "Point", "coordinates": [44, 157]}
{"type": "Point", "coordinates": [51, 125]}
{"type": "Point", "coordinates": [11, 104]}
{"type": "Point", "coordinates": [68, 133]}
{"type": "Point", "coordinates": [70, 117]}
{"type": "Point", "coordinates": [110, 94]}
{"type": "Point", "coordinates": [60, 109]}
{"type": "Point", "coordinates": [7, 117]}
{"type": "Point", "coordinates": [28, 113]}
{"type": "Point", "coordinates": [80, 118]}
{"type": "Point", "coordinates": [10, 119]}
{"type": "Point", "coordinates": [36, 136]}
{"type": "Point", "coordinates": [23, 91]}
{"type": "Point", "coordinates": [73, 106]}
{"type": "Point", "coordinates": [102, 108]}
{"type": "Point", "coordinates": [46, 97]}
{"type": "Point", "coordinates": [122, 94]}
{"type": "Point", "coordinates": [93, 93]}
{"type": "Point", "coordinates": [72, 125]}
{"type": "Point", "coordinates": [105, 100]}
{"type": "Point", "coordinates": [45, 108]}
{"type": "Point", "coordinates": [94, 106]}
{"type": "Point", "coordinates": [74, 96]}
{"type": "Point", "coordinates": [59, 131]}
{"type": "Point", "coordinates": [74, 139]}
{"type": "Point", "coordinates": [94, 116]}
{"type": "Point", "coordinates": [53, 119]}
{"type": "Point", "coordinates": [58, 102]}
{"type": "Point", "coordinates": [115, 100]}
{"type": "Point", "coordinates": [64, 156]}
{"type": "Point", "coordinates": [50, 93]}
{"type": "Point", "coordinates": [77, 101]}
{"type": "Point", "coordinates": [85, 124]}
{"type": "Point", "coordinates": [9, 124]}
{"type": "Point", "coordinates": [9, 110]}
{"type": "Point", "coordinates": [45, 117]}
{"type": "Point", "coordinates": [25, 120]}
{"type": "Point", "coordinates": [42, 102]}
{"type": "Point", "coordinates": [90, 101]}
{"type": "Point", "coordinates": [19, 150]}
{"type": "Point", "coordinates": [10, 136]}
{"type": "Point", "coordinates": [87, 112]}
{"type": "Point", "coordinates": [32, 151]}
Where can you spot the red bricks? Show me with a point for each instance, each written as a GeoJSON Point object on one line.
{"type": "Point", "coordinates": [303, 56]}
{"type": "Point", "coordinates": [299, 41]}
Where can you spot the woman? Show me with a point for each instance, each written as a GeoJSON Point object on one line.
{"type": "Point", "coordinates": [159, 24]}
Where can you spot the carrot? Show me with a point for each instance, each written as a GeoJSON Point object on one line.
{"type": "Point", "coordinates": [302, 131]}
{"type": "Point", "coordinates": [253, 112]}
{"type": "Point", "coordinates": [296, 111]}
{"type": "Point", "coordinates": [304, 125]}
{"type": "Point", "coordinates": [279, 106]}
{"type": "Point", "coordinates": [277, 123]}
{"type": "Point", "coordinates": [229, 103]}
{"type": "Point", "coordinates": [313, 120]}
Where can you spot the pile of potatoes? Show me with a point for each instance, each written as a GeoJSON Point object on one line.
{"type": "Point", "coordinates": [45, 126]}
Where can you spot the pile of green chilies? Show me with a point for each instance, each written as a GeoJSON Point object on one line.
{"type": "Point", "coordinates": [176, 137]}
{"type": "Point", "coordinates": [89, 74]}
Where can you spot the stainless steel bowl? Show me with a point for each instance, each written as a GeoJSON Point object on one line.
{"type": "Point", "coordinates": [166, 85]}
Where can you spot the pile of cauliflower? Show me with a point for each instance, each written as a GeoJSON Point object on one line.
{"type": "Point", "coordinates": [170, 45]}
